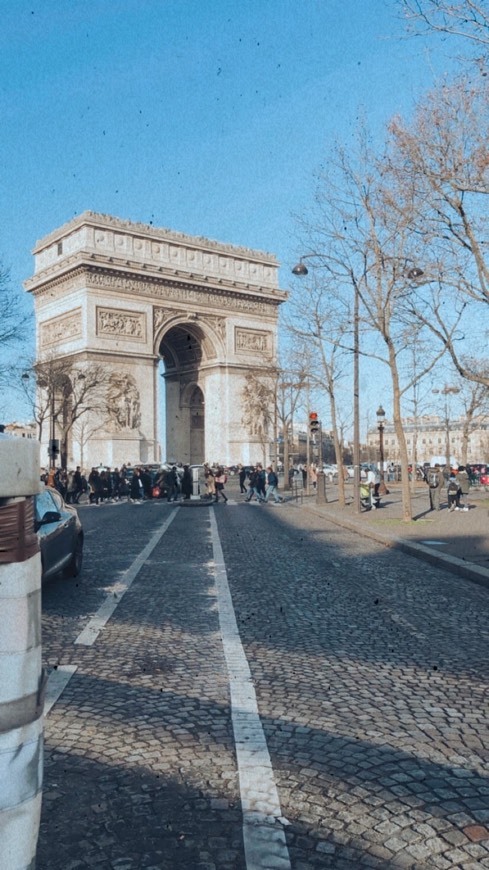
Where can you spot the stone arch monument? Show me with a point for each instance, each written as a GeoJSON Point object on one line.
{"type": "Point", "coordinates": [160, 311]}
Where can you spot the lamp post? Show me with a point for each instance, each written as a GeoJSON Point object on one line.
{"type": "Point", "coordinates": [381, 421]}
{"type": "Point", "coordinates": [300, 270]}
{"type": "Point", "coordinates": [448, 390]}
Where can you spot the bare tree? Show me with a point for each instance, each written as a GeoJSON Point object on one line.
{"type": "Point", "coordinates": [258, 401]}
{"type": "Point", "coordinates": [365, 244]}
{"type": "Point", "coordinates": [438, 171]}
{"type": "Point", "coordinates": [321, 323]}
{"type": "Point", "coordinates": [62, 391]}
{"type": "Point", "coordinates": [464, 18]}
{"type": "Point", "coordinates": [475, 401]}
{"type": "Point", "coordinates": [13, 322]}
{"type": "Point", "coordinates": [270, 399]}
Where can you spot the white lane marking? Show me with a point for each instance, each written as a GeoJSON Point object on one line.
{"type": "Point", "coordinates": [57, 681]}
{"type": "Point", "coordinates": [263, 834]}
{"type": "Point", "coordinates": [92, 630]}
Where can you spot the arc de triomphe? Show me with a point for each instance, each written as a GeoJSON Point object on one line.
{"type": "Point", "coordinates": [141, 302]}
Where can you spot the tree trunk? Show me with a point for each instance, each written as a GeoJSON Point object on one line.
{"type": "Point", "coordinates": [401, 440]}
{"type": "Point", "coordinates": [339, 456]}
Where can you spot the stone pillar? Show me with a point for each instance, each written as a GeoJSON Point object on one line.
{"type": "Point", "coordinates": [21, 680]}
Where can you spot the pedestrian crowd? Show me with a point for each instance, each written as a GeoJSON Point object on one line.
{"type": "Point", "coordinates": [172, 482]}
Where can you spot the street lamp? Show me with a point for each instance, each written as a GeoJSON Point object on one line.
{"type": "Point", "coordinates": [300, 269]}
{"type": "Point", "coordinates": [447, 391]}
{"type": "Point", "coordinates": [381, 421]}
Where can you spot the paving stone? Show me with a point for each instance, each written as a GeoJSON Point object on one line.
{"type": "Point", "coordinates": [378, 757]}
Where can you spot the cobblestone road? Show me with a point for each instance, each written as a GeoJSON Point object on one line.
{"type": "Point", "coordinates": [370, 670]}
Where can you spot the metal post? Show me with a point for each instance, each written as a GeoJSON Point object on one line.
{"type": "Point", "coordinates": [321, 497]}
{"type": "Point", "coordinates": [382, 486]}
{"type": "Point", "coordinates": [356, 405]}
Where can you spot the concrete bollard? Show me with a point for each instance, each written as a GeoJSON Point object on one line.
{"type": "Point", "coordinates": [21, 679]}
{"type": "Point", "coordinates": [195, 482]}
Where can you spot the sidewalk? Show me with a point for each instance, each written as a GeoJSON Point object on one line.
{"type": "Point", "coordinates": [457, 541]}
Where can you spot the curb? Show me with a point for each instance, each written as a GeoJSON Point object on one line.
{"type": "Point", "coordinates": [474, 573]}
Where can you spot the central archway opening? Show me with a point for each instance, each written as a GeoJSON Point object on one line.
{"type": "Point", "coordinates": [184, 350]}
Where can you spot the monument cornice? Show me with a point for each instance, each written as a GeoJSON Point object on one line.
{"type": "Point", "coordinates": [98, 221]}
{"type": "Point", "coordinates": [166, 283]}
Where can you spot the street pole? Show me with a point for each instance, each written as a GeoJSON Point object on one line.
{"type": "Point", "coordinates": [381, 418]}
{"type": "Point", "coordinates": [356, 404]}
{"type": "Point", "coordinates": [321, 497]}
{"type": "Point", "coordinates": [308, 441]}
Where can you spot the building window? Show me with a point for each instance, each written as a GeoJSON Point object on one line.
{"type": "Point", "coordinates": [60, 248]}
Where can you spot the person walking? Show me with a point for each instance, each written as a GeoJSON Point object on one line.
{"type": "Point", "coordinates": [272, 484]}
{"type": "Point", "coordinates": [210, 481]}
{"type": "Point", "coordinates": [220, 480]}
{"type": "Point", "coordinates": [187, 483]}
{"type": "Point", "coordinates": [242, 478]}
{"type": "Point", "coordinates": [70, 488]}
{"type": "Point", "coordinates": [137, 491]}
{"type": "Point", "coordinates": [95, 487]}
{"type": "Point", "coordinates": [463, 481]}
{"type": "Point", "coordinates": [78, 485]}
{"type": "Point", "coordinates": [254, 487]}
{"type": "Point", "coordinates": [435, 480]}
{"type": "Point", "coordinates": [261, 482]}
{"type": "Point", "coordinates": [171, 484]}
{"type": "Point", "coordinates": [453, 493]}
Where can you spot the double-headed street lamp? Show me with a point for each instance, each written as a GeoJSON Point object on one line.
{"type": "Point", "coordinates": [301, 270]}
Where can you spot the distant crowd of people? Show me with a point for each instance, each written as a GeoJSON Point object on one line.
{"type": "Point", "coordinates": [171, 482]}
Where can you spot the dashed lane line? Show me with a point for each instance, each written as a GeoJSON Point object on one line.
{"type": "Point", "coordinates": [92, 630]}
{"type": "Point", "coordinates": [60, 677]}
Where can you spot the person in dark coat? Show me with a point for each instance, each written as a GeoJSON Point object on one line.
{"type": "Point", "coordinates": [147, 483]}
{"type": "Point", "coordinates": [137, 491]}
{"type": "Point", "coordinates": [171, 484]}
{"type": "Point", "coordinates": [187, 484]}
{"type": "Point", "coordinates": [242, 478]}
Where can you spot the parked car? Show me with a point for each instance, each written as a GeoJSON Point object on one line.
{"type": "Point", "coordinates": [60, 535]}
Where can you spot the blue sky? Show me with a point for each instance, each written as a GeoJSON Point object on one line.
{"type": "Point", "coordinates": [205, 116]}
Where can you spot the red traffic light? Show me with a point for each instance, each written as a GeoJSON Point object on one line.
{"type": "Point", "coordinates": [314, 423]}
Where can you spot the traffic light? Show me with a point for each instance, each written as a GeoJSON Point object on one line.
{"type": "Point", "coordinates": [53, 448]}
{"type": "Point", "coordinates": [314, 423]}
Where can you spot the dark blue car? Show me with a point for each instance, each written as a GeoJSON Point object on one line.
{"type": "Point", "coordinates": [60, 535]}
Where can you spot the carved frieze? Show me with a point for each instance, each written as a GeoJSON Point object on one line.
{"type": "Point", "coordinates": [60, 329]}
{"type": "Point", "coordinates": [187, 295]}
{"type": "Point", "coordinates": [118, 323]}
{"type": "Point", "coordinates": [252, 341]}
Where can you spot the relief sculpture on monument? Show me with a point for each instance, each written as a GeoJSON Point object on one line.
{"type": "Point", "coordinates": [123, 402]}
{"type": "Point", "coordinates": [116, 322]}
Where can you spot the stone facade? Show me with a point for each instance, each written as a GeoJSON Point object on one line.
{"type": "Point", "coordinates": [427, 437]}
{"type": "Point", "coordinates": [140, 302]}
